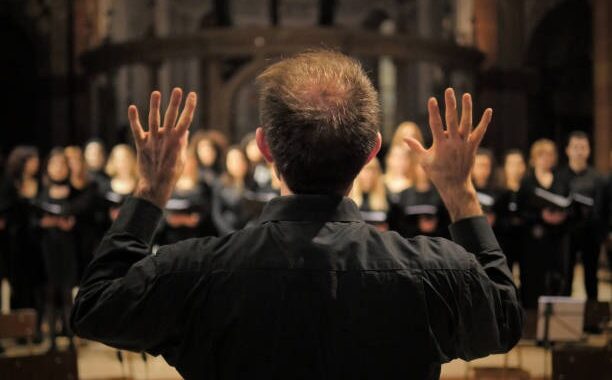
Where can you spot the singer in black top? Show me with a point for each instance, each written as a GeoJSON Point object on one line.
{"type": "Point", "coordinates": [484, 182]}
{"type": "Point", "coordinates": [419, 209]}
{"type": "Point", "coordinates": [59, 241]}
{"type": "Point", "coordinates": [509, 223]}
{"type": "Point", "coordinates": [228, 204]}
{"type": "Point", "coordinates": [26, 269]}
{"type": "Point", "coordinates": [544, 204]}
{"type": "Point", "coordinates": [188, 211]}
{"type": "Point", "coordinates": [310, 290]}
{"type": "Point", "coordinates": [587, 223]}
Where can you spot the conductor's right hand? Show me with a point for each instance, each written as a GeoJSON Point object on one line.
{"type": "Point", "coordinates": [162, 149]}
{"type": "Point", "coordinates": [448, 162]}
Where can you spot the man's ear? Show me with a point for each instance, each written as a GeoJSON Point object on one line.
{"type": "Point", "coordinates": [376, 148]}
{"type": "Point", "coordinates": [262, 144]}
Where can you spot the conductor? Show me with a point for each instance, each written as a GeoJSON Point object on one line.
{"type": "Point", "coordinates": [310, 291]}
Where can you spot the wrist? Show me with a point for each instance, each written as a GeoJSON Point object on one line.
{"type": "Point", "coordinates": [145, 191]}
{"type": "Point", "coordinates": [461, 200]}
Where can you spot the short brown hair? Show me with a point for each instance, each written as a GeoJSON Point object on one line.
{"type": "Point", "coordinates": [320, 114]}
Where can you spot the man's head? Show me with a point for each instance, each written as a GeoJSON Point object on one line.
{"type": "Point", "coordinates": [320, 118]}
{"type": "Point", "coordinates": [578, 148]}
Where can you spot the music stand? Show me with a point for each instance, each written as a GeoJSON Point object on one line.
{"type": "Point", "coordinates": [560, 319]}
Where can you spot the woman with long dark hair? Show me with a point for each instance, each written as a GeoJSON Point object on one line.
{"type": "Point", "coordinates": [510, 225]}
{"type": "Point", "coordinates": [59, 241]}
{"type": "Point", "coordinates": [26, 272]}
{"type": "Point", "coordinates": [209, 157]}
{"type": "Point", "coordinates": [85, 207]}
{"type": "Point", "coordinates": [229, 211]}
{"type": "Point", "coordinates": [483, 177]}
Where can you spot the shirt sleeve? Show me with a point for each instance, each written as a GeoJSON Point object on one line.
{"type": "Point", "coordinates": [122, 295]}
{"type": "Point", "coordinates": [474, 311]}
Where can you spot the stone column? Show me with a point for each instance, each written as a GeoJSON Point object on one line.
{"type": "Point", "coordinates": [602, 83]}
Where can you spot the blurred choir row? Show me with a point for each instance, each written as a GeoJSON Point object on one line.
{"type": "Point", "coordinates": [53, 215]}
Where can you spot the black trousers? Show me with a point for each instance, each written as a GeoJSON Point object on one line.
{"type": "Point", "coordinates": [584, 241]}
{"type": "Point", "coordinates": [543, 264]}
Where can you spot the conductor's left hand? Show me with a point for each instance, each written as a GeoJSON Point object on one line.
{"type": "Point", "coordinates": [162, 149]}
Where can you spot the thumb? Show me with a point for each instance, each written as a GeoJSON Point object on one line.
{"type": "Point", "coordinates": [415, 146]}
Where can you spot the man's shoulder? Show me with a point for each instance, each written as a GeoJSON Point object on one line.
{"type": "Point", "coordinates": [427, 253]}
{"type": "Point", "coordinates": [200, 254]}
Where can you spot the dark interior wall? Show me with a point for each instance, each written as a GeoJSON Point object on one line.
{"type": "Point", "coordinates": [560, 52]}
{"type": "Point", "coordinates": [23, 108]}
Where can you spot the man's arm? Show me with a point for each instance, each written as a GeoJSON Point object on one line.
{"type": "Point", "coordinates": [115, 293]}
{"type": "Point", "coordinates": [474, 312]}
{"type": "Point", "coordinates": [123, 296]}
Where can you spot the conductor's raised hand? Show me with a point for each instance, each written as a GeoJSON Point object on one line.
{"type": "Point", "coordinates": [448, 162]}
{"type": "Point", "coordinates": [162, 149]}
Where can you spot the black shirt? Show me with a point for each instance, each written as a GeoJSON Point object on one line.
{"type": "Point", "coordinates": [310, 292]}
{"type": "Point", "coordinates": [587, 189]}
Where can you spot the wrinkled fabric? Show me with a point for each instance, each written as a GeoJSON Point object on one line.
{"type": "Point", "coordinates": [309, 292]}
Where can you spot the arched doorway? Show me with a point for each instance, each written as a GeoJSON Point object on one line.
{"type": "Point", "coordinates": [560, 52]}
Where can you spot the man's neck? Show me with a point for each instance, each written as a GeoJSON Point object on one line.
{"type": "Point", "coordinates": [577, 166]}
{"type": "Point", "coordinates": [285, 190]}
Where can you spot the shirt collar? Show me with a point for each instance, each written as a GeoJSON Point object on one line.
{"type": "Point", "coordinates": [308, 207]}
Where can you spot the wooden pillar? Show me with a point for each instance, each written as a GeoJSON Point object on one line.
{"type": "Point", "coordinates": [602, 43]}
{"type": "Point", "coordinates": [485, 30]}
{"type": "Point", "coordinates": [154, 69]}
{"type": "Point", "coordinates": [212, 85]}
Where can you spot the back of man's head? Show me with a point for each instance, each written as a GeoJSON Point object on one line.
{"type": "Point", "coordinates": [320, 114]}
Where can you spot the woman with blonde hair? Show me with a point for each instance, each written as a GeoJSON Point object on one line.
{"type": "Point", "coordinates": [122, 171]}
{"type": "Point", "coordinates": [400, 163]}
{"type": "Point", "coordinates": [543, 201]}
{"type": "Point", "coordinates": [370, 194]}
{"type": "Point", "coordinates": [405, 130]}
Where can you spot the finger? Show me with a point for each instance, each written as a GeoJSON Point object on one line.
{"type": "Point", "coordinates": [154, 112]}
{"type": "Point", "coordinates": [465, 126]}
{"type": "Point", "coordinates": [451, 113]}
{"type": "Point", "coordinates": [187, 115]}
{"type": "Point", "coordinates": [435, 120]}
{"type": "Point", "coordinates": [415, 146]}
{"type": "Point", "coordinates": [479, 132]}
{"type": "Point", "coordinates": [135, 125]}
{"type": "Point", "coordinates": [173, 108]}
